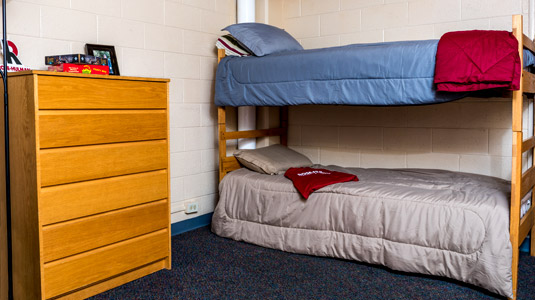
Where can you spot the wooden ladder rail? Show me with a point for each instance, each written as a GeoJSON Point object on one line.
{"type": "Point", "coordinates": [521, 183]}
{"type": "Point", "coordinates": [230, 163]}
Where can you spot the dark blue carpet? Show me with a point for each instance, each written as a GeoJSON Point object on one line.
{"type": "Point", "coordinates": [206, 266]}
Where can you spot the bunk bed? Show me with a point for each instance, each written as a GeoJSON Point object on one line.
{"type": "Point", "coordinates": [520, 186]}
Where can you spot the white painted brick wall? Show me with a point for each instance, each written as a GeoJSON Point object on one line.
{"type": "Point", "coordinates": [340, 157]}
{"type": "Point", "coordinates": [470, 135]}
{"type": "Point", "coordinates": [346, 21]}
{"type": "Point", "coordinates": [458, 136]}
{"type": "Point", "coordinates": [385, 16]}
{"type": "Point", "coordinates": [67, 24]}
{"type": "Point", "coordinates": [322, 136]}
{"type": "Point", "coordinates": [152, 38]}
{"type": "Point", "coordinates": [314, 7]}
{"type": "Point", "coordinates": [361, 137]}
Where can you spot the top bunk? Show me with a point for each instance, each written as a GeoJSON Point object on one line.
{"type": "Point", "coordinates": [380, 74]}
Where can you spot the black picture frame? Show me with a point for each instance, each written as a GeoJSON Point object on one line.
{"type": "Point", "coordinates": [104, 51]}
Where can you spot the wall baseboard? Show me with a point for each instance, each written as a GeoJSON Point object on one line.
{"type": "Point", "coordinates": [191, 224]}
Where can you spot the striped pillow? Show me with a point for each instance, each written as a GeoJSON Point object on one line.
{"type": "Point", "coordinates": [232, 46]}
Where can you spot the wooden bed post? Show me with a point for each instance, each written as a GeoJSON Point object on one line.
{"type": "Point", "coordinates": [516, 171]}
{"type": "Point", "coordinates": [284, 124]}
{"type": "Point", "coordinates": [221, 126]}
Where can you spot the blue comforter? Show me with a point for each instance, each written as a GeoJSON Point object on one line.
{"type": "Point", "coordinates": [395, 73]}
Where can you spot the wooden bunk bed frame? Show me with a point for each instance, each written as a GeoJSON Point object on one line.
{"type": "Point", "coordinates": [521, 182]}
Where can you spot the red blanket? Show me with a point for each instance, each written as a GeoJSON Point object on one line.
{"type": "Point", "coordinates": [307, 180]}
{"type": "Point", "coordinates": [477, 60]}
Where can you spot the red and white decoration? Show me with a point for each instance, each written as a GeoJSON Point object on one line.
{"type": "Point", "coordinates": [13, 62]}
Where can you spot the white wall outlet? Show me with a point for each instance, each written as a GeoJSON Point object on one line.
{"type": "Point", "coordinates": [192, 207]}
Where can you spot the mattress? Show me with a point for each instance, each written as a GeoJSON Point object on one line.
{"type": "Point", "coordinates": [424, 221]}
{"type": "Point", "coordinates": [393, 73]}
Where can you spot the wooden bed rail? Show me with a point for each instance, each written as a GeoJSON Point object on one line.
{"type": "Point", "coordinates": [528, 80]}
{"type": "Point", "coordinates": [234, 135]}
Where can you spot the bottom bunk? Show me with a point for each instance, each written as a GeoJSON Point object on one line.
{"type": "Point", "coordinates": [424, 221]}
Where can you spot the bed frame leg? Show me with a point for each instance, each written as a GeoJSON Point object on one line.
{"type": "Point", "coordinates": [532, 238]}
{"type": "Point", "coordinates": [514, 270]}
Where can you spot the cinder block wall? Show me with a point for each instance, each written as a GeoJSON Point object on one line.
{"type": "Point", "coordinates": [470, 135]}
{"type": "Point", "coordinates": [153, 38]}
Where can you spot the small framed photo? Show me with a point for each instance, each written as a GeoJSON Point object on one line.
{"type": "Point", "coordinates": [104, 51]}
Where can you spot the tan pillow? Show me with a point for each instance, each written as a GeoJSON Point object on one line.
{"type": "Point", "coordinates": [272, 160]}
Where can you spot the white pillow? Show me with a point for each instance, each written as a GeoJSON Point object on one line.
{"type": "Point", "coordinates": [272, 160]}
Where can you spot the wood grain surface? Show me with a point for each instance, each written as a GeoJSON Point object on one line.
{"type": "Point", "coordinates": [80, 235]}
{"type": "Point", "coordinates": [86, 127]}
{"type": "Point", "coordinates": [60, 92]}
{"type": "Point", "coordinates": [65, 165]}
{"type": "Point", "coordinates": [70, 201]}
{"type": "Point", "coordinates": [62, 276]}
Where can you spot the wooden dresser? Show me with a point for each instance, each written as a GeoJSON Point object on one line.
{"type": "Point", "coordinates": [89, 182]}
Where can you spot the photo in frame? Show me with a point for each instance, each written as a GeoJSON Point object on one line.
{"type": "Point", "coordinates": [104, 51]}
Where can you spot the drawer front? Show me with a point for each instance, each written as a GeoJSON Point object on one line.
{"type": "Point", "coordinates": [62, 276]}
{"type": "Point", "coordinates": [65, 165]}
{"type": "Point", "coordinates": [80, 235]}
{"type": "Point", "coordinates": [70, 201]}
{"type": "Point", "coordinates": [74, 128]}
{"type": "Point", "coordinates": [56, 92]}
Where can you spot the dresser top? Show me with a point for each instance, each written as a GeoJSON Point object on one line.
{"type": "Point", "coordinates": [65, 74]}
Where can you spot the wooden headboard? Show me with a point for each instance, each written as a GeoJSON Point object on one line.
{"type": "Point", "coordinates": [230, 163]}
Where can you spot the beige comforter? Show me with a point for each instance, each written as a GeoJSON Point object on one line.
{"type": "Point", "coordinates": [425, 221]}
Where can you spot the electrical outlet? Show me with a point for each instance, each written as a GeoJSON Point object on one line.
{"type": "Point", "coordinates": [192, 207]}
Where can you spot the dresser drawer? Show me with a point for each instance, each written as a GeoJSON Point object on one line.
{"type": "Point", "coordinates": [58, 92]}
{"type": "Point", "coordinates": [80, 235]}
{"type": "Point", "coordinates": [71, 273]}
{"type": "Point", "coordinates": [86, 127]}
{"type": "Point", "coordinates": [64, 165]}
{"type": "Point", "coordinates": [70, 201]}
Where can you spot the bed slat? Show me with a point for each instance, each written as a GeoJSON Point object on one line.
{"type": "Point", "coordinates": [528, 144]}
{"type": "Point", "coordinates": [529, 82]}
{"type": "Point", "coordinates": [232, 135]}
{"type": "Point", "coordinates": [528, 43]}
{"type": "Point", "coordinates": [525, 225]}
{"type": "Point", "coordinates": [528, 181]}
